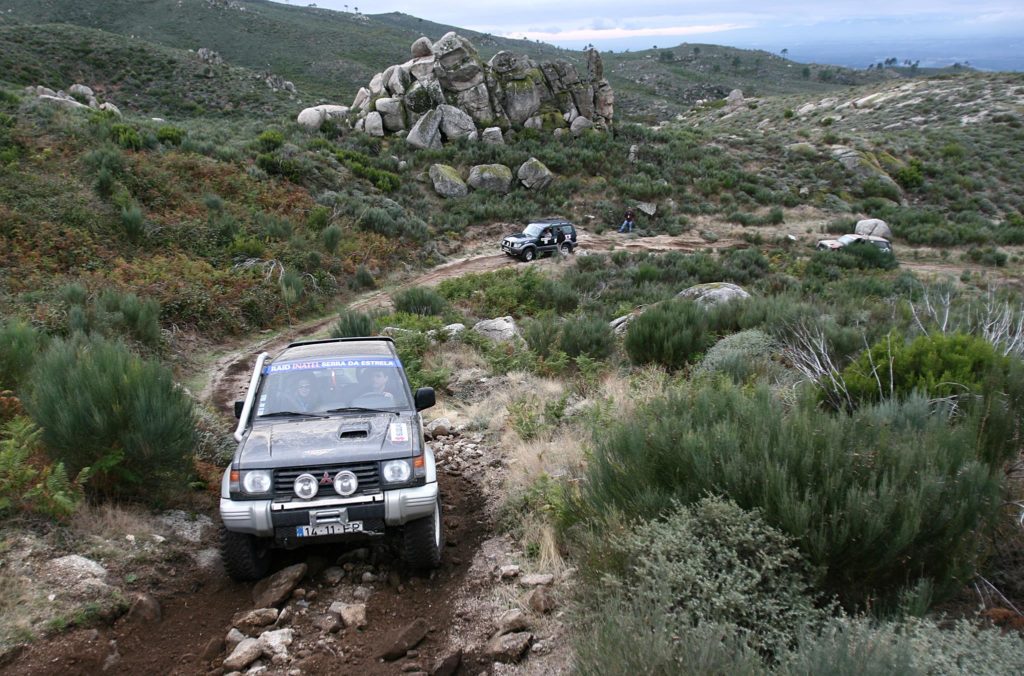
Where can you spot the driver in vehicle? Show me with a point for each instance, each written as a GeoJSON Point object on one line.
{"type": "Point", "coordinates": [303, 399]}
{"type": "Point", "coordinates": [380, 385]}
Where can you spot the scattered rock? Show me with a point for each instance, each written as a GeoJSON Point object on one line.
{"type": "Point", "coordinates": [512, 621]}
{"type": "Point", "coordinates": [647, 208]}
{"type": "Point", "coordinates": [508, 572]}
{"type": "Point", "coordinates": [312, 118]}
{"type": "Point", "coordinates": [249, 622]}
{"type": "Point", "coordinates": [536, 579]}
{"type": "Point", "coordinates": [405, 639]}
{"type": "Point", "coordinates": [508, 647]}
{"type": "Point", "coordinates": [447, 182]}
{"type": "Point", "coordinates": [494, 177]}
{"type": "Point", "coordinates": [275, 590]}
{"type": "Point", "coordinates": [873, 226]}
{"type": "Point", "coordinates": [713, 293]}
{"type": "Point", "coordinates": [534, 175]}
{"type": "Point", "coordinates": [438, 427]}
{"type": "Point", "coordinates": [353, 615]}
{"type": "Point", "coordinates": [500, 330]}
{"type": "Point", "coordinates": [333, 575]}
{"type": "Point", "coordinates": [539, 600]}
{"type": "Point", "coordinates": [145, 609]}
{"type": "Point", "coordinates": [233, 638]}
{"type": "Point", "coordinates": [277, 642]}
{"type": "Point", "coordinates": [244, 654]}
{"type": "Point", "coordinates": [447, 665]}
{"type": "Point", "coordinates": [493, 135]}
{"type": "Point", "coordinates": [214, 647]}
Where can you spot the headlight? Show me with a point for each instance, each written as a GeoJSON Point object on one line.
{"type": "Point", "coordinates": [306, 486]}
{"type": "Point", "coordinates": [396, 471]}
{"type": "Point", "coordinates": [257, 481]}
{"type": "Point", "coordinates": [345, 483]}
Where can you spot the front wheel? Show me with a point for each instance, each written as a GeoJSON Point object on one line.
{"type": "Point", "coordinates": [528, 255]}
{"type": "Point", "coordinates": [422, 541]}
{"type": "Point", "coordinates": [246, 557]}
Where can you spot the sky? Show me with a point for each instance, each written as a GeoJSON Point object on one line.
{"type": "Point", "coordinates": [857, 30]}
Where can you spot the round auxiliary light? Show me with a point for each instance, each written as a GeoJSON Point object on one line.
{"type": "Point", "coordinates": [306, 486]}
{"type": "Point", "coordinates": [345, 483]}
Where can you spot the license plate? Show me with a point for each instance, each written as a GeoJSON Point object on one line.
{"type": "Point", "coordinates": [329, 529]}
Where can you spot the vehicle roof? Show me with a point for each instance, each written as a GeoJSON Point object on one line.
{"type": "Point", "coordinates": [549, 221]}
{"type": "Point", "coordinates": [338, 347]}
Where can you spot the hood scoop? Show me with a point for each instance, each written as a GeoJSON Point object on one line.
{"type": "Point", "coordinates": [357, 431]}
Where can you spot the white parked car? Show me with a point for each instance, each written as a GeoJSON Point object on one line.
{"type": "Point", "coordinates": [846, 240]}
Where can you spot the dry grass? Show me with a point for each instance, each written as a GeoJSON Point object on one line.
{"type": "Point", "coordinates": [112, 522]}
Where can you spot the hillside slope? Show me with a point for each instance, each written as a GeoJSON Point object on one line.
{"type": "Point", "coordinates": [330, 54]}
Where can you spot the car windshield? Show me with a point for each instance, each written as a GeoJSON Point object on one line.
{"type": "Point", "coordinates": [849, 239]}
{"type": "Point", "coordinates": [332, 385]}
{"type": "Point", "coordinates": [534, 229]}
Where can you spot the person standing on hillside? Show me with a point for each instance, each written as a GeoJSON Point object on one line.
{"type": "Point", "coordinates": [627, 224]}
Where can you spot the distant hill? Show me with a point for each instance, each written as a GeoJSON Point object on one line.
{"type": "Point", "coordinates": [328, 55]}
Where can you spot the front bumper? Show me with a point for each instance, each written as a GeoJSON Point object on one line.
{"type": "Point", "coordinates": [258, 517]}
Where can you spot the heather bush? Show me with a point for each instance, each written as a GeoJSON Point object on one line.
{"type": "Point", "coordinates": [670, 334]}
{"type": "Point", "coordinates": [420, 300]}
{"type": "Point", "coordinates": [362, 279]}
{"type": "Point", "coordinates": [102, 407]}
{"type": "Point", "coordinates": [20, 344]}
{"type": "Point", "coordinates": [590, 336]}
{"type": "Point", "coordinates": [352, 324]}
{"type": "Point", "coordinates": [133, 223]}
{"type": "Point", "coordinates": [715, 563]}
{"type": "Point", "coordinates": [878, 500]}
{"type": "Point", "coordinates": [541, 334]}
{"type": "Point", "coordinates": [331, 238]}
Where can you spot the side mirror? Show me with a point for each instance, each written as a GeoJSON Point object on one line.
{"type": "Point", "coordinates": [239, 405]}
{"type": "Point", "coordinates": [424, 398]}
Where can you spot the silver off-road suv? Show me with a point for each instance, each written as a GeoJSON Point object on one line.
{"type": "Point", "coordinates": [330, 448]}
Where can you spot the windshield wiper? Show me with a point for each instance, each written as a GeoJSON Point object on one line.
{"type": "Point", "coordinates": [363, 409]}
{"type": "Point", "coordinates": [279, 414]}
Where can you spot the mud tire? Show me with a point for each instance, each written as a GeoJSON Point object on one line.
{"type": "Point", "coordinates": [423, 541]}
{"type": "Point", "coordinates": [245, 556]}
{"type": "Point", "coordinates": [529, 254]}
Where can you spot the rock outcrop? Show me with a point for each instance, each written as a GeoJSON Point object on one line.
{"type": "Point", "coordinates": [446, 92]}
{"type": "Point", "coordinates": [78, 96]}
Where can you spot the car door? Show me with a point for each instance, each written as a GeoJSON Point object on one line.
{"type": "Point", "coordinates": [546, 242]}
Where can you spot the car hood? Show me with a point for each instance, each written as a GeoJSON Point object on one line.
{"type": "Point", "coordinates": [338, 439]}
{"type": "Point", "coordinates": [834, 243]}
{"type": "Point", "coordinates": [519, 237]}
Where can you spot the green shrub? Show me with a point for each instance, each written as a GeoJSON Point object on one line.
{"type": "Point", "coordinates": [878, 500]}
{"type": "Point", "coordinates": [26, 484]}
{"type": "Point", "coordinates": [352, 324]}
{"type": "Point", "coordinates": [170, 135]}
{"type": "Point", "coordinates": [20, 344]}
{"type": "Point", "coordinates": [105, 183]}
{"type": "Point", "coordinates": [590, 336]}
{"type": "Point", "coordinates": [606, 642]}
{"type": "Point", "coordinates": [670, 334]}
{"type": "Point", "coordinates": [126, 136]}
{"type": "Point", "coordinates": [363, 279]}
{"type": "Point", "coordinates": [420, 300]}
{"type": "Point", "coordinates": [133, 223]}
{"type": "Point", "coordinates": [113, 314]}
{"type": "Point", "coordinates": [541, 334]}
{"type": "Point", "coordinates": [318, 218]}
{"type": "Point", "coordinates": [103, 408]}
{"type": "Point", "coordinates": [331, 238]}
{"type": "Point", "coordinates": [270, 140]}
{"type": "Point", "coordinates": [713, 562]}
{"type": "Point", "coordinates": [934, 364]}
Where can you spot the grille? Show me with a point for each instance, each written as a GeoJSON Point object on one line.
{"type": "Point", "coordinates": [367, 473]}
